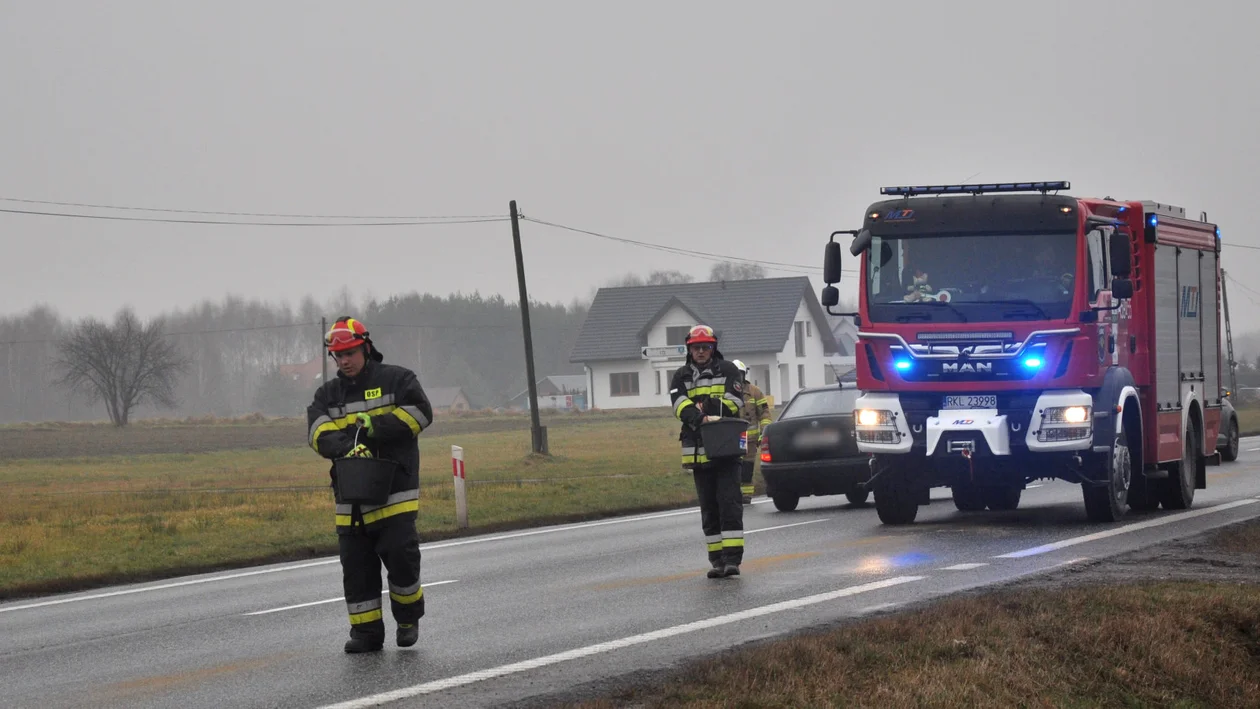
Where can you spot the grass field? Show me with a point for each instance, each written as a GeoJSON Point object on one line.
{"type": "Point", "coordinates": [84, 520]}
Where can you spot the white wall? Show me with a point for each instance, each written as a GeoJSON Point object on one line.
{"type": "Point", "coordinates": [813, 360]}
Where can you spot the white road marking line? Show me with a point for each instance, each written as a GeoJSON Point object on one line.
{"type": "Point", "coordinates": [176, 584]}
{"type": "Point", "coordinates": [504, 670]}
{"type": "Point", "coordinates": [334, 600]}
{"type": "Point", "coordinates": [1253, 450]}
{"type": "Point", "coordinates": [964, 567]}
{"type": "Point", "coordinates": [783, 526]}
{"type": "Point", "coordinates": [1037, 485]}
{"type": "Point", "coordinates": [1044, 548]}
{"type": "Point", "coordinates": [334, 560]}
{"type": "Point", "coordinates": [877, 607]}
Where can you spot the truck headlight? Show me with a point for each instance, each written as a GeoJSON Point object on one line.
{"type": "Point", "coordinates": [874, 417]}
{"type": "Point", "coordinates": [1066, 414]}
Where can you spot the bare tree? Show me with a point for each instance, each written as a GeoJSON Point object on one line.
{"type": "Point", "coordinates": [731, 271]}
{"type": "Point", "coordinates": [123, 365]}
{"type": "Point", "coordinates": [655, 278]}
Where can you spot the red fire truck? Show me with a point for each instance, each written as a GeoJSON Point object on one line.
{"type": "Point", "coordinates": [1010, 333]}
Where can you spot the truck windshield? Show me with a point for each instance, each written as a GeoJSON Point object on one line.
{"type": "Point", "coordinates": [963, 278]}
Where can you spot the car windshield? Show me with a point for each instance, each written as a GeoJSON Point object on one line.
{"type": "Point", "coordinates": [821, 403]}
{"type": "Point", "coordinates": [971, 278]}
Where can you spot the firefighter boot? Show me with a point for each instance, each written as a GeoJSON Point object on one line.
{"type": "Point", "coordinates": [364, 643]}
{"type": "Point", "coordinates": [718, 570]}
{"type": "Point", "coordinates": [731, 569]}
{"type": "Point", "coordinates": [407, 635]}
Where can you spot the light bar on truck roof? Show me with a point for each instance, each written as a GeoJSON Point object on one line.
{"type": "Point", "coordinates": [986, 188]}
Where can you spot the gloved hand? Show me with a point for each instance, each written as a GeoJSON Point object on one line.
{"type": "Point", "coordinates": [709, 419]}
{"type": "Point", "coordinates": [365, 422]}
{"type": "Point", "coordinates": [359, 451]}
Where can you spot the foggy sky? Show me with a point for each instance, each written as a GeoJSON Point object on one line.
{"type": "Point", "coordinates": [746, 128]}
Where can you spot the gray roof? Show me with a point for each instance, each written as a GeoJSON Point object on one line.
{"type": "Point", "coordinates": [555, 384]}
{"type": "Point", "coordinates": [443, 397]}
{"type": "Point", "coordinates": [749, 316]}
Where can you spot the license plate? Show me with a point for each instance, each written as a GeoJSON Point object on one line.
{"type": "Point", "coordinates": [986, 401]}
{"type": "Point", "coordinates": [817, 439]}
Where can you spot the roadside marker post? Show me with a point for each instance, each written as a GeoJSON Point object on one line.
{"type": "Point", "coordinates": [461, 500]}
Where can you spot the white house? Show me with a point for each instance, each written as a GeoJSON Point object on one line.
{"type": "Point", "coordinates": [631, 341]}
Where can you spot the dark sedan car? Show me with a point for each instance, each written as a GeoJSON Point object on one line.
{"type": "Point", "coordinates": [812, 449]}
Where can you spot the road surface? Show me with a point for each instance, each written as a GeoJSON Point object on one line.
{"type": "Point", "coordinates": [516, 615]}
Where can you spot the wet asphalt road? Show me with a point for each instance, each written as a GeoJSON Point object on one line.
{"type": "Point", "coordinates": [516, 615]}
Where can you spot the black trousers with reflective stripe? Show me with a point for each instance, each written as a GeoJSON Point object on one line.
{"type": "Point", "coordinates": [721, 504]}
{"type": "Point", "coordinates": [397, 544]}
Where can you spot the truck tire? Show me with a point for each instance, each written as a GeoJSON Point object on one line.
{"type": "Point", "coordinates": [1229, 451]}
{"type": "Point", "coordinates": [1177, 492]}
{"type": "Point", "coordinates": [1107, 503]}
{"type": "Point", "coordinates": [786, 503]}
{"type": "Point", "coordinates": [895, 502]}
{"type": "Point", "coordinates": [1001, 499]}
{"type": "Point", "coordinates": [968, 498]}
{"type": "Point", "coordinates": [859, 496]}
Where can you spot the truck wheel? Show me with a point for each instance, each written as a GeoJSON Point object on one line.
{"type": "Point", "coordinates": [1107, 503]}
{"type": "Point", "coordinates": [1229, 452]}
{"type": "Point", "coordinates": [1177, 492]}
{"type": "Point", "coordinates": [895, 502]}
{"type": "Point", "coordinates": [968, 498]}
{"type": "Point", "coordinates": [1000, 499]}
{"type": "Point", "coordinates": [859, 496]}
{"type": "Point", "coordinates": [786, 503]}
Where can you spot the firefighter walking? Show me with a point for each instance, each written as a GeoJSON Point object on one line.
{"type": "Point", "coordinates": [707, 388]}
{"type": "Point", "coordinates": [756, 411]}
{"type": "Point", "coordinates": [376, 410]}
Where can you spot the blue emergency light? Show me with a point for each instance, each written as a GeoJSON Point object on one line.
{"type": "Point", "coordinates": [986, 188]}
{"type": "Point", "coordinates": [1032, 363]}
{"type": "Point", "coordinates": [1153, 220]}
{"type": "Point", "coordinates": [902, 364]}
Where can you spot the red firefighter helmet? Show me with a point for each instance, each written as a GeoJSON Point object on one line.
{"type": "Point", "coordinates": [701, 333]}
{"type": "Point", "coordinates": [345, 334]}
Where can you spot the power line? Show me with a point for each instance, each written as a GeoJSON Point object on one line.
{"type": "Point", "coordinates": [216, 222]}
{"type": "Point", "coordinates": [273, 215]}
{"type": "Point", "coordinates": [709, 256]}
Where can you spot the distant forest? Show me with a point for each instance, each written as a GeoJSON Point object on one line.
{"type": "Point", "coordinates": [234, 349]}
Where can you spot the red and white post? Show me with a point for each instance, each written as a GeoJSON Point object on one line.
{"type": "Point", "coordinates": [461, 500]}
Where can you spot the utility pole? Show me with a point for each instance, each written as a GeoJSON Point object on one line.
{"type": "Point", "coordinates": [1229, 342]}
{"type": "Point", "coordinates": [538, 434]}
{"type": "Point", "coordinates": [323, 356]}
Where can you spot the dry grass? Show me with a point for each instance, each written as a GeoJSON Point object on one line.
{"type": "Point", "coordinates": [1170, 644]}
{"type": "Point", "coordinates": [1249, 420]}
{"type": "Point", "coordinates": [78, 522]}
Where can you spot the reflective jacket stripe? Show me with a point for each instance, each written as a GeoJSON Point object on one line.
{"type": "Point", "coordinates": [382, 513]}
{"type": "Point", "coordinates": [393, 499]}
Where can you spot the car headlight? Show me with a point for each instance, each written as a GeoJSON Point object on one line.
{"type": "Point", "coordinates": [1067, 414]}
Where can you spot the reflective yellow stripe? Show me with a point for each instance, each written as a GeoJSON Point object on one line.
{"type": "Point", "coordinates": [409, 598]}
{"type": "Point", "coordinates": [322, 429]}
{"type": "Point", "coordinates": [714, 390]}
{"type": "Point", "coordinates": [382, 513]}
{"type": "Point", "coordinates": [746, 489]}
{"type": "Point", "coordinates": [765, 422]}
{"type": "Point", "coordinates": [682, 404]}
{"type": "Point", "coordinates": [733, 542]}
{"type": "Point", "coordinates": [408, 419]}
{"type": "Point", "coordinates": [359, 618]}
{"type": "Point", "coordinates": [689, 459]}
{"type": "Point", "coordinates": [731, 405]}
{"type": "Point", "coordinates": [715, 546]}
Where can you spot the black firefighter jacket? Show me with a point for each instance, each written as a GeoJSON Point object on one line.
{"type": "Point", "coordinates": [400, 410]}
{"type": "Point", "coordinates": [713, 390]}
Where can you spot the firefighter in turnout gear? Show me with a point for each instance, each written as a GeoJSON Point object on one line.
{"type": "Point", "coordinates": [374, 410]}
{"type": "Point", "coordinates": [756, 411]}
{"type": "Point", "coordinates": [709, 387]}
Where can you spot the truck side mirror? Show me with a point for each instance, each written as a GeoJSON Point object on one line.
{"type": "Point", "coordinates": [831, 263]}
{"type": "Point", "coordinates": [1121, 257]}
{"type": "Point", "coordinates": [830, 296]}
{"type": "Point", "coordinates": [860, 242]}
{"type": "Point", "coordinates": [1122, 288]}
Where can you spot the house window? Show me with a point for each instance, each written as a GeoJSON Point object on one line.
{"type": "Point", "coordinates": [809, 329]}
{"type": "Point", "coordinates": [799, 332]}
{"type": "Point", "coordinates": [800, 376]}
{"type": "Point", "coordinates": [676, 335]}
{"type": "Point", "coordinates": [658, 382]}
{"type": "Point", "coordinates": [623, 384]}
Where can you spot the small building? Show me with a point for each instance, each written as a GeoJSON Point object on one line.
{"type": "Point", "coordinates": [444, 399]}
{"type": "Point", "coordinates": [306, 374]}
{"type": "Point", "coordinates": [632, 340]}
{"type": "Point", "coordinates": [558, 391]}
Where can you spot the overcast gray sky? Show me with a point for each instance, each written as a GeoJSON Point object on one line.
{"type": "Point", "coordinates": [748, 128]}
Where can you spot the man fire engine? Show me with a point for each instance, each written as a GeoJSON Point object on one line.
{"type": "Point", "coordinates": [1010, 333]}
